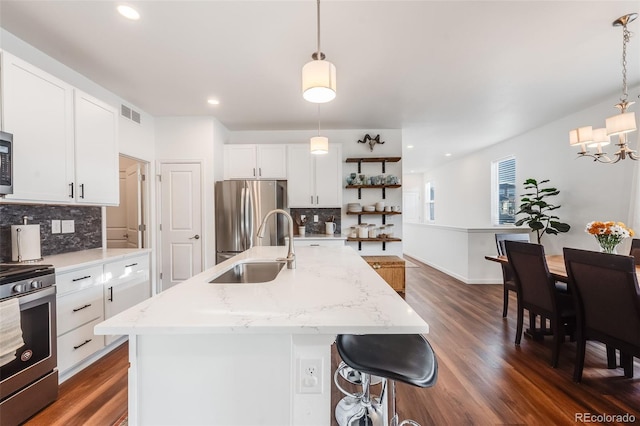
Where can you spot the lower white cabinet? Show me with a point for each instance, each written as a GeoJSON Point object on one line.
{"type": "Point", "coordinates": [126, 284]}
{"type": "Point", "coordinates": [317, 242]}
{"type": "Point", "coordinates": [79, 308]}
{"type": "Point", "coordinates": [88, 296]}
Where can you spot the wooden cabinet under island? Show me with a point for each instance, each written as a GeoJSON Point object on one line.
{"type": "Point", "coordinates": [390, 268]}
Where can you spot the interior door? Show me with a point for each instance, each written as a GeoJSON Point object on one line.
{"type": "Point", "coordinates": [180, 222]}
{"type": "Point", "coordinates": [117, 218]}
{"type": "Point", "coordinates": [134, 205]}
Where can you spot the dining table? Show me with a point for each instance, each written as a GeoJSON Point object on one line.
{"type": "Point", "coordinates": [557, 269]}
{"type": "Point", "coordinates": [555, 263]}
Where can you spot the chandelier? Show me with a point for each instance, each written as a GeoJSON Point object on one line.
{"type": "Point", "coordinates": [318, 76]}
{"type": "Point", "coordinates": [618, 125]}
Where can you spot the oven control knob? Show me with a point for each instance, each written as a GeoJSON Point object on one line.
{"type": "Point", "coordinates": [19, 288]}
{"type": "Point", "coordinates": [36, 284]}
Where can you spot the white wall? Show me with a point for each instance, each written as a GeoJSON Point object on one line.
{"type": "Point", "coordinates": [350, 148]}
{"type": "Point", "coordinates": [201, 139]}
{"type": "Point", "coordinates": [588, 191]}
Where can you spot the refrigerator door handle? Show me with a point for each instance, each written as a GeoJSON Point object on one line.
{"type": "Point", "coordinates": [242, 219]}
{"type": "Point", "coordinates": [249, 217]}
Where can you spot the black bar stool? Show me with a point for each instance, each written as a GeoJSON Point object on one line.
{"type": "Point", "coordinates": [408, 358]}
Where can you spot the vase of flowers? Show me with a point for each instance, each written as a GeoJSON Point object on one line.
{"type": "Point", "coordinates": [609, 234]}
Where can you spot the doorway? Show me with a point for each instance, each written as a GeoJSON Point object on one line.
{"type": "Point", "coordinates": [127, 222]}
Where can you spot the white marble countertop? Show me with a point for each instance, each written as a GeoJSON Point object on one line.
{"type": "Point", "coordinates": [331, 291]}
{"type": "Point", "coordinates": [83, 258]}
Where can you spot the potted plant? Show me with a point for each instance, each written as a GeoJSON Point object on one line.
{"type": "Point", "coordinates": [536, 208]}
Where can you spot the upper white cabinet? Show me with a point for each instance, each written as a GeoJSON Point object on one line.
{"type": "Point", "coordinates": [97, 174]}
{"type": "Point", "coordinates": [255, 161]}
{"type": "Point", "coordinates": [314, 180]}
{"type": "Point", "coordinates": [38, 110]}
{"type": "Point", "coordinates": [65, 142]}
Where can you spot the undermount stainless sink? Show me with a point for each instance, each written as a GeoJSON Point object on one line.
{"type": "Point", "coordinates": [249, 273]}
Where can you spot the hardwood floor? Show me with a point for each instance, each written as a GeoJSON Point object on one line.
{"type": "Point", "coordinates": [94, 397]}
{"type": "Point", "coordinates": [483, 377]}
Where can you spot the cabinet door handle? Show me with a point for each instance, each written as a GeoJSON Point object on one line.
{"type": "Point", "coordinates": [317, 199]}
{"type": "Point", "coordinates": [82, 344]}
{"type": "Point", "coordinates": [110, 294]}
{"type": "Point", "coordinates": [82, 190]}
{"type": "Point", "coordinates": [254, 171]}
{"type": "Point", "coordinates": [259, 171]}
{"type": "Point", "coordinates": [81, 278]}
{"type": "Point", "coordinates": [81, 308]}
{"type": "Point", "coordinates": [312, 199]}
{"type": "Point", "coordinates": [314, 245]}
{"type": "Point", "coordinates": [71, 186]}
{"type": "Point", "coordinates": [129, 266]}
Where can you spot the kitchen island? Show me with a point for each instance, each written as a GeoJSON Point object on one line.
{"type": "Point", "coordinates": [231, 354]}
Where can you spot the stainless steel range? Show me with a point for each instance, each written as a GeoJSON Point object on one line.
{"type": "Point", "coordinates": [28, 361]}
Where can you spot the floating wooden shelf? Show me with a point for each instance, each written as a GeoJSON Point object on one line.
{"type": "Point", "coordinates": [372, 186]}
{"type": "Point", "coordinates": [383, 187]}
{"type": "Point", "coordinates": [383, 160]}
{"type": "Point", "coordinates": [383, 214]}
{"type": "Point", "coordinates": [384, 241]}
{"type": "Point", "coordinates": [374, 160]}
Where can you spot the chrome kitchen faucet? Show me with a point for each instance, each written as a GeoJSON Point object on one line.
{"type": "Point", "coordinates": [291, 256]}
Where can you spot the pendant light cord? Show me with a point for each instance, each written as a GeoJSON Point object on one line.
{"type": "Point", "coordinates": [318, 119]}
{"type": "Point", "coordinates": [318, 15]}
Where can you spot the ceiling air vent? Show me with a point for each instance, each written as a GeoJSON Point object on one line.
{"type": "Point", "coordinates": [125, 111]}
{"type": "Point", "coordinates": [129, 113]}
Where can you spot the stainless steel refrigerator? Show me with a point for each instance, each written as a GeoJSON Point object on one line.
{"type": "Point", "coordinates": [240, 207]}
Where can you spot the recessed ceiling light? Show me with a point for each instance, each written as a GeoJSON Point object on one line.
{"type": "Point", "coordinates": [409, 146]}
{"type": "Point", "coordinates": [448, 154]}
{"type": "Point", "coordinates": [213, 102]}
{"type": "Point", "coordinates": [128, 12]}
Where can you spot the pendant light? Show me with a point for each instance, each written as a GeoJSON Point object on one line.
{"type": "Point", "coordinates": [318, 76]}
{"type": "Point", "coordinates": [319, 144]}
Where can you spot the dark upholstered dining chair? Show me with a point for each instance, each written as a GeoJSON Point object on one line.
{"type": "Point", "coordinates": [635, 250]}
{"type": "Point", "coordinates": [508, 280]}
{"type": "Point", "coordinates": [537, 292]}
{"type": "Point", "coordinates": [605, 289]}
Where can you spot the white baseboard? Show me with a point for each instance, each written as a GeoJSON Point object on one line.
{"type": "Point", "coordinates": [459, 277]}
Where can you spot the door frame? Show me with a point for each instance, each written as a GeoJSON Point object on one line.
{"type": "Point", "coordinates": [203, 252]}
{"type": "Point", "coordinates": [145, 198]}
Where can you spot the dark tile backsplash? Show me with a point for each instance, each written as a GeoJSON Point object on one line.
{"type": "Point", "coordinates": [87, 221]}
{"type": "Point", "coordinates": [323, 216]}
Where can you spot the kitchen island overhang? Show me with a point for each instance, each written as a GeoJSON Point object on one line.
{"type": "Point", "coordinates": [230, 354]}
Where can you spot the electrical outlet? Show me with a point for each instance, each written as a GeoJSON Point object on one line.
{"type": "Point", "coordinates": [55, 226]}
{"type": "Point", "coordinates": [310, 376]}
{"type": "Point", "coordinates": [68, 227]}
{"type": "Point", "coordinates": [315, 217]}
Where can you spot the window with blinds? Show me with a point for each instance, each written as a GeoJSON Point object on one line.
{"type": "Point", "coordinates": [506, 191]}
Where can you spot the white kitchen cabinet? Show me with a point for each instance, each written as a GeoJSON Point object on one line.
{"type": "Point", "coordinates": [267, 161]}
{"type": "Point", "coordinates": [126, 283]}
{"type": "Point", "coordinates": [65, 141]}
{"type": "Point", "coordinates": [96, 148]}
{"type": "Point", "coordinates": [79, 308]}
{"type": "Point", "coordinates": [38, 111]}
{"type": "Point", "coordinates": [318, 242]}
{"type": "Point", "coordinates": [314, 180]}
